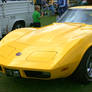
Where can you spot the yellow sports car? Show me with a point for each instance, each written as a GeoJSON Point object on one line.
{"type": "Point", "coordinates": [55, 51]}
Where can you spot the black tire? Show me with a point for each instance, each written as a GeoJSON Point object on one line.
{"type": "Point", "coordinates": [84, 70]}
{"type": "Point", "coordinates": [18, 25]}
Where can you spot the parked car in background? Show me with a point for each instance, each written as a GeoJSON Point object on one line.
{"type": "Point", "coordinates": [15, 14]}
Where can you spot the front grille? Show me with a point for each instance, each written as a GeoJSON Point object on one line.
{"type": "Point", "coordinates": [37, 74]}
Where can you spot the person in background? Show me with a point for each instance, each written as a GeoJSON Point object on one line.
{"type": "Point", "coordinates": [43, 3]}
{"type": "Point", "coordinates": [45, 7]}
{"type": "Point", "coordinates": [62, 6]}
{"type": "Point", "coordinates": [51, 7]}
{"type": "Point", "coordinates": [48, 6]}
{"type": "Point", "coordinates": [36, 17]}
{"type": "Point", "coordinates": [39, 2]}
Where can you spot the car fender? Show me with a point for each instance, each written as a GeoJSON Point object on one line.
{"type": "Point", "coordinates": [14, 35]}
{"type": "Point", "coordinates": [71, 59]}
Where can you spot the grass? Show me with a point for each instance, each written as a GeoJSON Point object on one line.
{"type": "Point", "coordinates": [47, 20]}
{"type": "Point", "coordinates": [28, 85]}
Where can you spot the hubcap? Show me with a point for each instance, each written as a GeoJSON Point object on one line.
{"type": "Point", "coordinates": [89, 66]}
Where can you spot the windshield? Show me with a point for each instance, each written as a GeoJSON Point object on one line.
{"type": "Point", "coordinates": [77, 16]}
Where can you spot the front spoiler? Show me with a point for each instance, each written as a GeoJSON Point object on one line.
{"type": "Point", "coordinates": [25, 73]}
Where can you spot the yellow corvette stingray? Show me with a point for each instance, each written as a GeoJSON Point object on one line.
{"type": "Point", "coordinates": [55, 51]}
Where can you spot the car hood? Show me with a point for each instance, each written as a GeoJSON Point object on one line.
{"type": "Point", "coordinates": [54, 35]}
{"type": "Point", "coordinates": [44, 47]}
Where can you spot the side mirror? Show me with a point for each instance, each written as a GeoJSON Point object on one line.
{"type": "Point", "coordinates": [4, 1]}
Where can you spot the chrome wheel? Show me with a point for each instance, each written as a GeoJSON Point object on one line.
{"type": "Point", "coordinates": [89, 66]}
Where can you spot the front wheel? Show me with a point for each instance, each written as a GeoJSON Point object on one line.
{"type": "Point", "coordinates": [84, 70]}
{"type": "Point", "coordinates": [18, 25]}
{"type": "Point", "coordinates": [89, 67]}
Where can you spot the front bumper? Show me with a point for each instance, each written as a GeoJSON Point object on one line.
{"type": "Point", "coordinates": [24, 73]}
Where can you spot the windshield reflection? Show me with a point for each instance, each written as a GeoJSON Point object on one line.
{"type": "Point", "coordinates": [77, 16]}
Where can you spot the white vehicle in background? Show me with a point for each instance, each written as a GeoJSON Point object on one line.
{"type": "Point", "coordinates": [0, 32]}
{"type": "Point", "coordinates": [15, 14]}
